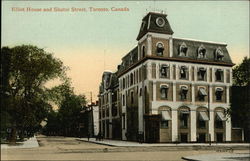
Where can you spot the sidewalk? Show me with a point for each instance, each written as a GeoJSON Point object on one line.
{"type": "Point", "coordinates": [120, 143]}
{"type": "Point", "coordinates": [219, 157]}
{"type": "Point", "coordinates": [30, 143]}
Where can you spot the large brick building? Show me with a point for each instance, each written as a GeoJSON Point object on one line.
{"type": "Point", "coordinates": [168, 89]}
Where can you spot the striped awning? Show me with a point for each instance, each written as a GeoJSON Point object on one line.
{"type": "Point", "coordinates": [220, 116]}
{"type": "Point", "coordinates": [203, 116]}
{"type": "Point", "coordinates": [165, 116]}
{"type": "Point", "coordinates": [202, 92]}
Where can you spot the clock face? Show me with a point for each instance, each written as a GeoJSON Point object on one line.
{"type": "Point", "coordinates": [160, 21]}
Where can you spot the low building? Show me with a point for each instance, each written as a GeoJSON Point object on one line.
{"type": "Point", "coordinates": [168, 89]}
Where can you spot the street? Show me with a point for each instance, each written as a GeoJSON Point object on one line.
{"type": "Point", "coordinates": [66, 148]}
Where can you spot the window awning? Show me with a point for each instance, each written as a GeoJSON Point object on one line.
{"type": "Point", "coordinates": [184, 88]}
{"type": "Point", "coordinates": [219, 70]}
{"type": "Point", "coordinates": [164, 66]}
{"type": "Point", "coordinates": [184, 112]}
{"type": "Point", "coordinates": [220, 53]}
{"type": "Point", "coordinates": [219, 89]}
{"type": "Point", "coordinates": [202, 69]}
{"type": "Point", "coordinates": [164, 86]}
{"type": "Point", "coordinates": [220, 116]}
{"type": "Point", "coordinates": [165, 115]}
{"type": "Point", "coordinates": [203, 116]}
{"type": "Point", "coordinates": [202, 92]}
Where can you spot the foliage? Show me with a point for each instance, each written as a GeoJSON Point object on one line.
{"type": "Point", "coordinates": [240, 100]}
{"type": "Point", "coordinates": [24, 73]}
{"type": "Point", "coordinates": [241, 73]}
{"type": "Point", "coordinates": [66, 120]}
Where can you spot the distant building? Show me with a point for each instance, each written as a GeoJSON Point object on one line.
{"type": "Point", "coordinates": [168, 89]}
{"type": "Point", "coordinates": [90, 121]}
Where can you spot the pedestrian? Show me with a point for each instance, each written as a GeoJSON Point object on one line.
{"type": "Point", "coordinates": [88, 136]}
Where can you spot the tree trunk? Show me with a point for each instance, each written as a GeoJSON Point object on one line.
{"type": "Point", "coordinates": [13, 135]}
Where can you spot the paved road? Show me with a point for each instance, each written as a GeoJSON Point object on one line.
{"type": "Point", "coordinates": [64, 148]}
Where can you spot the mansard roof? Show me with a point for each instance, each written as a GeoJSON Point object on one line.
{"type": "Point", "coordinates": [193, 47]}
{"type": "Point", "coordinates": [149, 25]}
{"type": "Point", "coordinates": [129, 59]}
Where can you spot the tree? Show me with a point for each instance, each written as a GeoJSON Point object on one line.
{"type": "Point", "coordinates": [241, 73]}
{"type": "Point", "coordinates": [66, 120]}
{"type": "Point", "coordinates": [240, 107]}
{"type": "Point", "coordinates": [69, 113]}
{"type": "Point", "coordinates": [25, 72]}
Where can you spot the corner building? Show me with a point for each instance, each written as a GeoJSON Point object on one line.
{"type": "Point", "coordinates": [168, 89]}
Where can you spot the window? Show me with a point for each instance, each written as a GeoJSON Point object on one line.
{"type": "Point", "coordinates": [202, 118]}
{"type": "Point", "coordinates": [201, 52]}
{"type": "Point", "coordinates": [160, 49]}
{"type": "Point", "coordinates": [164, 71]}
{"type": "Point", "coordinates": [131, 79]}
{"type": "Point", "coordinates": [140, 92]}
{"type": "Point", "coordinates": [132, 97]}
{"type": "Point", "coordinates": [218, 94]}
{"type": "Point", "coordinates": [164, 124]}
{"type": "Point", "coordinates": [201, 73]}
{"type": "Point", "coordinates": [164, 91]}
{"type": "Point", "coordinates": [219, 75]}
{"type": "Point", "coordinates": [183, 72]}
{"type": "Point", "coordinates": [123, 83]}
{"type": "Point", "coordinates": [219, 54]}
{"type": "Point", "coordinates": [123, 120]}
{"type": "Point", "coordinates": [183, 49]}
{"type": "Point", "coordinates": [165, 118]}
{"type": "Point", "coordinates": [143, 51]}
{"type": "Point", "coordinates": [123, 100]}
{"type": "Point", "coordinates": [219, 119]}
{"type": "Point", "coordinates": [184, 90]}
{"type": "Point", "coordinates": [184, 115]}
{"type": "Point", "coordinates": [201, 94]}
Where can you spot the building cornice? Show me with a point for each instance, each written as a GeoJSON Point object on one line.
{"type": "Point", "coordinates": [185, 60]}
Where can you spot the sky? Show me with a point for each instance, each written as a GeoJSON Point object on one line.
{"type": "Point", "coordinates": [89, 41]}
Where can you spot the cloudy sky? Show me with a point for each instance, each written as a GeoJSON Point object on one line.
{"type": "Point", "coordinates": [90, 42]}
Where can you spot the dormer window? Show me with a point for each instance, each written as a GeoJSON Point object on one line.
{"type": "Point", "coordinates": [201, 73]}
{"type": "Point", "coordinates": [184, 90]}
{"type": "Point", "coordinates": [164, 91]}
{"type": "Point", "coordinates": [183, 72]}
{"type": "Point", "coordinates": [160, 49]}
{"type": "Point", "coordinates": [202, 94]}
{"type": "Point", "coordinates": [183, 49]}
{"type": "Point", "coordinates": [218, 94]}
{"type": "Point", "coordinates": [164, 71]}
{"type": "Point", "coordinates": [219, 75]}
{"type": "Point", "coordinates": [219, 54]}
{"type": "Point", "coordinates": [201, 52]}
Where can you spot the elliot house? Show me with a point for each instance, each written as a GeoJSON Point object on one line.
{"type": "Point", "coordinates": [168, 89]}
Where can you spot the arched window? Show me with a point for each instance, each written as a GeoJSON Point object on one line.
{"type": "Point", "coordinates": [202, 52]}
{"type": "Point", "coordinates": [159, 49]}
{"type": "Point", "coordinates": [183, 49]}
